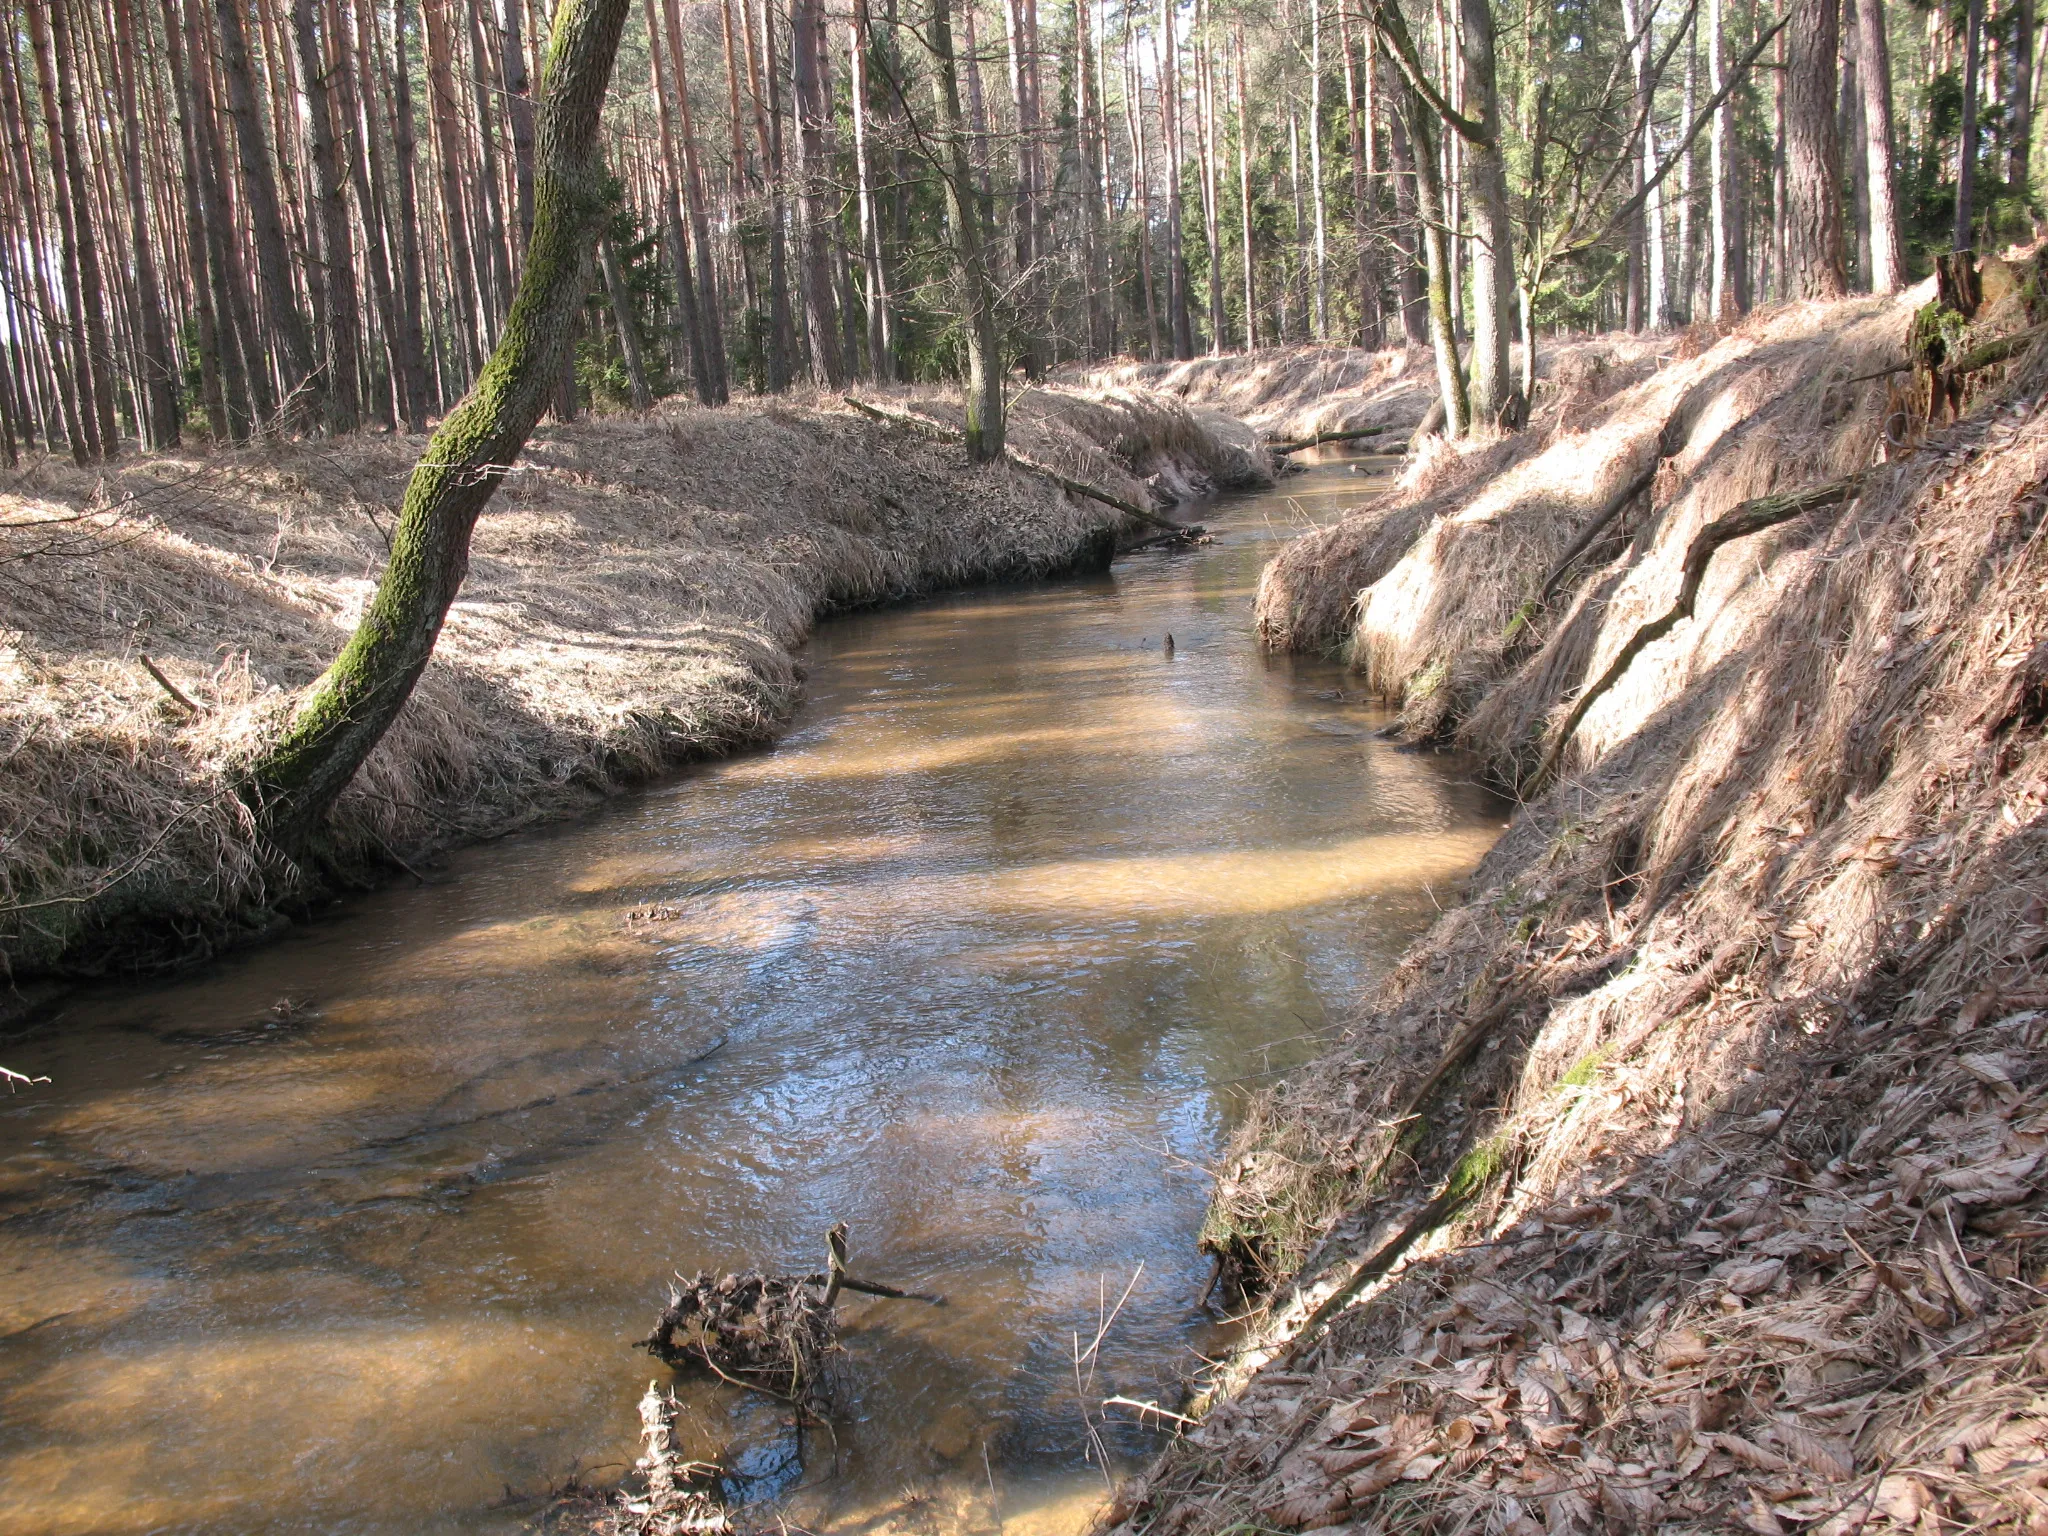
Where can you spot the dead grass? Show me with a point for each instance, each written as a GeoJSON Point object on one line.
{"type": "Point", "coordinates": [1739, 1046]}
{"type": "Point", "coordinates": [635, 592]}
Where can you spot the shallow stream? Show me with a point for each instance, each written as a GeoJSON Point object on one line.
{"type": "Point", "coordinates": [353, 1232]}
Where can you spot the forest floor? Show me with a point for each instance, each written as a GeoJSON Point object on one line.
{"type": "Point", "coordinates": [636, 592]}
{"type": "Point", "coordinates": [1690, 1173]}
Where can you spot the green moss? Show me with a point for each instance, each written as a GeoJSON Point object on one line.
{"type": "Point", "coordinates": [1583, 1070]}
{"type": "Point", "coordinates": [1524, 616]}
{"type": "Point", "coordinates": [1477, 1169]}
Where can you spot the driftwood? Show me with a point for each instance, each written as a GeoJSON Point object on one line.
{"type": "Point", "coordinates": [678, 1500]}
{"type": "Point", "coordinates": [1024, 461]}
{"type": "Point", "coordinates": [1752, 516]}
{"type": "Point", "coordinates": [770, 1333]}
{"type": "Point", "coordinates": [176, 693]}
{"type": "Point", "coordinates": [1351, 435]}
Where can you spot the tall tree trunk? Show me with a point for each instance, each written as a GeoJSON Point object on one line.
{"type": "Point", "coordinates": [807, 86]}
{"type": "Point", "coordinates": [1635, 20]}
{"type": "Point", "coordinates": [1408, 235]}
{"type": "Point", "coordinates": [1134, 120]}
{"type": "Point", "coordinates": [1318, 195]}
{"type": "Point", "coordinates": [627, 322]}
{"type": "Point", "coordinates": [342, 716]}
{"type": "Point", "coordinates": [65, 345]}
{"type": "Point", "coordinates": [159, 371]}
{"type": "Point", "coordinates": [411, 343]}
{"type": "Point", "coordinates": [1429, 198]}
{"type": "Point", "coordinates": [1966, 146]}
{"type": "Point", "coordinates": [371, 177]}
{"type": "Point", "coordinates": [1813, 154]}
{"type": "Point", "coordinates": [2019, 112]}
{"type": "Point", "coordinates": [1495, 397]}
{"type": "Point", "coordinates": [519, 114]}
{"type": "Point", "coordinates": [965, 223]}
{"type": "Point", "coordinates": [1169, 132]}
{"type": "Point", "coordinates": [330, 197]}
{"type": "Point", "coordinates": [1722, 217]}
{"type": "Point", "coordinates": [1358, 115]}
{"type": "Point", "coordinates": [1205, 97]}
{"type": "Point", "coordinates": [881, 315]}
{"type": "Point", "coordinates": [710, 316]}
{"type": "Point", "coordinates": [768, 110]}
{"type": "Point", "coordinates": [1887, 255]}
{"type": "Point", "coordinates": [1247, 254]}
{"type": "Point", "coordinates": [74, 223]}
{"type": "Point", "coordinates": [205, 316]}
{"type": "Point", "coordinates": [259, 190]}
{"type": "Point", "coordinates": [689, 315]}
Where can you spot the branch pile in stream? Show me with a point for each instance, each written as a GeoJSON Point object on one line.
{"type": "Point", "coordinates": [772, 1333]}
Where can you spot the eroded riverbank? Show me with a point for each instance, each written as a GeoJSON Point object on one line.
{"type": "Point", "coordinates": [352, 1232]}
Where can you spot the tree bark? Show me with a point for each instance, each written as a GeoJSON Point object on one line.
{"type": "Point", "coordinates": [1966, 149]}
{"type": "Point", "coordinates": [259, 189]}
{"type": "Point", "coordinates": [410, 341]}
{"type": "Point", "coordinates": [1814, 258]}
{"type": "Point", "coordinates": [965, 223]}
{"type": "Point", "coordinates": [159, 373]}
{"type": "Point", "coordinates": [292, 784]}
{"type": "Point", "coordinates": [807, 86]}
{"type": "Point", "coordinates": [1494, 394]}
{"type": "Point", "coordinates": [2019, 112]}
{"type": "Point", "coordinates": [206, 320]}
{"type": "Point", "coordinates": [710, 312]}
{"type": "Point", "coordinates": [1874, 69]}
{"type": "Point", "coordinates": [628, 324]}
{"type": "Point", "coordinates": [330, 196]}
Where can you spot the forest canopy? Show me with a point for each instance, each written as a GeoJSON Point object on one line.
{"type": "Point", "coordinates": [228, 217]}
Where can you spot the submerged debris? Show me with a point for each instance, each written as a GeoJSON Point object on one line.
{"type": "Point", "coordinates": [767, 1331]}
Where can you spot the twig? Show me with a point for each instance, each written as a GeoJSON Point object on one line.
{"type": "Point", "coordinates": [165, 683]}
{"type": "Point", "coordinates": [10, 1077]}
{"type": "Point", "coordinates": [1586, 535]}
{"type": "Point", "coordinates": [1145, 1408]}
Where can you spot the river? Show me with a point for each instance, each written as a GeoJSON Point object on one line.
{"type": "Point", "coordinates": [353, 1232]}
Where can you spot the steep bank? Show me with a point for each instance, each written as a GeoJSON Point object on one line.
{"type": "Point", "coordinates": [635, 593]}
{"type": "Point", "coordinates": [1689, 1173]}
{"type": "Point", "coordinates": [1299, 391]}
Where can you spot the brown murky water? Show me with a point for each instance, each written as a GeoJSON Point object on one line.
{"type": "Point", "coordinates": [352, 1233]}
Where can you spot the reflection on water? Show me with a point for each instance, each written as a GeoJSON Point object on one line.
{"type": "Point", "coordinates": [353, 1232]}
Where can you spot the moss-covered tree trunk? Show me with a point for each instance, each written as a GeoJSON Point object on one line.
{"type": "Point", "coordinates": [343, 716]}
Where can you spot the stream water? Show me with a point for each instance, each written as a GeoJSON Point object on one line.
{"type": "Point", "coordinates": [353, 1232]}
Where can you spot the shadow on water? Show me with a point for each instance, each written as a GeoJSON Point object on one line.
{"type": "Point", "coordinates": [352, 1233]}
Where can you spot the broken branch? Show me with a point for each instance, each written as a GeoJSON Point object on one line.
{"type": "Point", "coordinates": [1750, 517]}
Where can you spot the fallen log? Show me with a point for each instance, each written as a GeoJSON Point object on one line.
{"type": "Point", "coordinates": [1349, 435]}
{"type": "Point", "coordinates": [1024, 461]}
{"type": "Point", "coordinates": [1752, 516]}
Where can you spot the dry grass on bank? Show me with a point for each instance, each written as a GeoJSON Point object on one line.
{"type": "Point", "coordinates": [1739, 1048]}
{"type": "Point", "coordinates": [635, 591]}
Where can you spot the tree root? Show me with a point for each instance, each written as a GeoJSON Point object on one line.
{"type": "Point", "coordinates": [1750, 517]}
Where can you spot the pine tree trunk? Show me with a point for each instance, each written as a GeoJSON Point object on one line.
{"type": "Point", "coordinates": [1887, 255]}
{"type": "Point", "coordinates": [1247, 245]}
{"type": "Point", "coordinates": [410, 341]}
{"type": "Point", "coordinates": [205, 316]}
{"type": "Point", "coordinates": [1429, 197]}
{"type": "Point", "coordinates": [881, 316]}
{"type": "Point", "coordinates": [1358, 116]}
{"type": "Point", "coordinates": [1722, 219]}
{"type": "Point", "coordinates": [342, 716]}
{"type": "Point", "coordinates": [1966, 148]}
{"type": "Point", "coordinates": [2019, 112]}
{"type": "Point", "coordinates": [689, 312]}
{"type": "Point", "coordinates": [807, 86]}
{"type": "Point", "coordinates": [159, 370]}
{"type": "Point", "coordinates": [1408, 235]}
{"type": "Point", "coordinates": [629, 326]}
{"type": "Point", "coordinates": [60, 340]}
{"type": "Point", "coordinates": [519, 114]}
{"type": "Point", "coordinates": [259, 189]}
{"type": "Point", "coordinates": [1813, 156]}
{"type": "Point", "coordinates": [330, 197]}
{"type": "Point", "coordinates": [710, 312]}
{"type": "Point", "coordinates": [965, 223]}
{"type": "Point", "coordinates": [1494, 394]}
{"type": "Point", "coordinates": [782, 349]}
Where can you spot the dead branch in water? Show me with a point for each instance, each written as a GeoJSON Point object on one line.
{"type": "Point", "coordinates": [1750, 517]}
{"type": "Point", "coordinates": [769, 1333]}
{"type": "Point", "coordinates": [1025, 461]}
